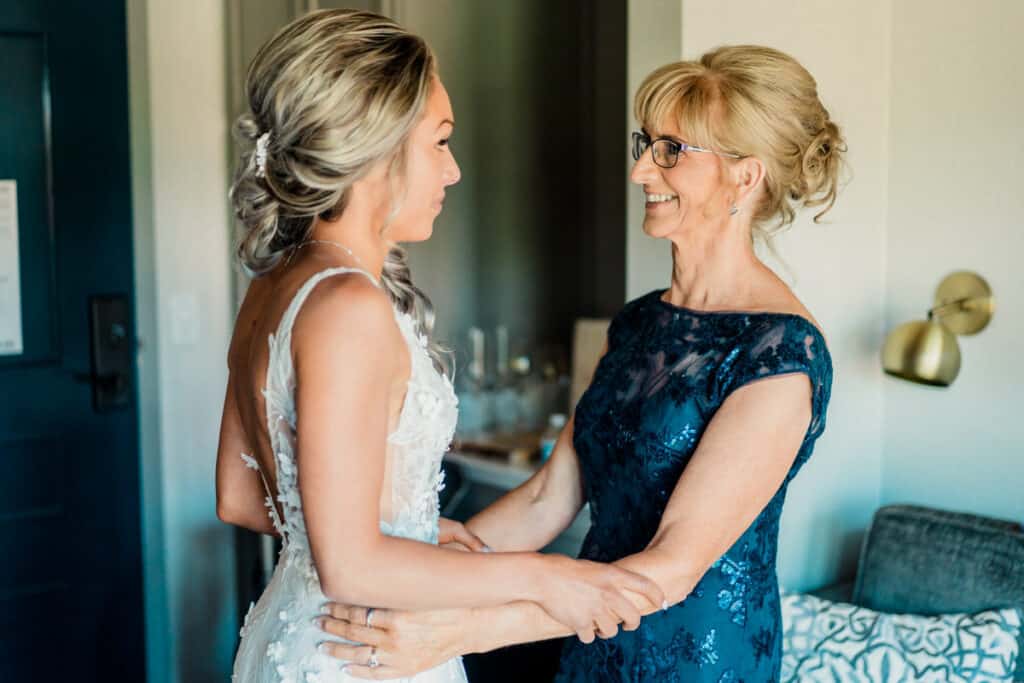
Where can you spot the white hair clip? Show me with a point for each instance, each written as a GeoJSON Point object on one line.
{"type": "Point", "coordinates": [262, 142]}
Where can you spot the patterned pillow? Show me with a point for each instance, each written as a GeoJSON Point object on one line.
{"type": "Point", "coordinates": [835, 641]}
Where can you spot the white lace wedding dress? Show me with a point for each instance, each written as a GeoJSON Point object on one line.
{"type": "Point", "coordinates": [279, 639]}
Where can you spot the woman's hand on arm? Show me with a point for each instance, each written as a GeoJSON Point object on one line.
{"type": "Point", "coordinates": [742, 458]}
{"type": "Point", "coordinates": [455, 535]}
{"type": "Point", "coordinates": [406, 643]}
{"type": "Point", "coordinates": [409, 642]}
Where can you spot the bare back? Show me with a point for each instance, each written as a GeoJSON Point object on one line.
{"type": "Point", "coordinates": [259, 317]}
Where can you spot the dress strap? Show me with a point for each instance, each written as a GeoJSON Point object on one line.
{"type": "Point", "coordinates": [280, 380]}
{"type": "Point", "coordinates": [284, 328]}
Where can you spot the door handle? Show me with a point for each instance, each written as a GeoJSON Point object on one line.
{"type": "Point", "coordinates": [112, 351]}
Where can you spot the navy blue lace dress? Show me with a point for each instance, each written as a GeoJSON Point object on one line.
{"type": "Point", "coordinates": [666, 372]}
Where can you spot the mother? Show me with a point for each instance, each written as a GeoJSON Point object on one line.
{"type": "Point", "coordinates": [708, 400]}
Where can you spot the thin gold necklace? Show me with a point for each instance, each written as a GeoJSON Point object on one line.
{"type": "Point", "coordinates": [334, 244]}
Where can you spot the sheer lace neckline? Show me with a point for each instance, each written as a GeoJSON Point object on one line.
{"type": "Point", "coordinates": [658, 296]}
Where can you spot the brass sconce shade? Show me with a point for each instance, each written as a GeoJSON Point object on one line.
{"type": "Point", "coordinates": [922, 351]}
{"type": "Point", "coordinates": [927, 351]}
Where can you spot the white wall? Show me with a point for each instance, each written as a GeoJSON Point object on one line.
{"type": "Point", "coordinates": [179, 149]}
{"type": "Point", "coordinates": [838, 268]}
{"type": "Point", "coordinates": [955, 202]}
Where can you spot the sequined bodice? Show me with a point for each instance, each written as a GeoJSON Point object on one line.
{"type": "Point", "coordinates": [278, 637]}
{"type": "Point", "coordinates": [666, 372]}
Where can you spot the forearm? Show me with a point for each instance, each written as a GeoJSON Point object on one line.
{"type": "Point", "coordinates": [532, 515]}
{"type": "Point", "coordinates": [398, 573]}
{"type": "Point", "coordinates": [675, 576]}
{"type": "Point", "coordinates": [491, 628]}
{"type": "Point", "coordinates": [523, 519]}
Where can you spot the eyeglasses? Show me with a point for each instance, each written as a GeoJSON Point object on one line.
{"type": "Point", "coordinates": [666, 151]}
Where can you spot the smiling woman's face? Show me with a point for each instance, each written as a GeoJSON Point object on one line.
{"type": "Point", "coordinates": [694, 192]}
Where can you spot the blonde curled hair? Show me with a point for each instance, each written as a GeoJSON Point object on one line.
{"type": "Point", "coordinates": [330, 95]}
{"type": "Point", "coordinates": [754, 101]}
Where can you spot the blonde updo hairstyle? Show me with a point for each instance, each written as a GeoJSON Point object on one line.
{"type": "Point", "coordinates": [337, 91]}
{"type": "Point", "coordinates": [753, 101]}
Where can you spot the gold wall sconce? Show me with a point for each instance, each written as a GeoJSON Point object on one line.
{"type": "Point", "coordinates": [926, 351]}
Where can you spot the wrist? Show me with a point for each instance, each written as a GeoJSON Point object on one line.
{"type": "Point", "coordinates": [539, 570]}
{"type": "Point", "coordinates": [473, 639]}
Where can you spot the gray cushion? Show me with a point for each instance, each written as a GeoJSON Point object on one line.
{"type": "Point", "coordinates": [926, 561]}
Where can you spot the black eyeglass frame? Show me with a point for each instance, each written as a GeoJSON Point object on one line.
{"type": "Point", "coordinates": [642, 142]}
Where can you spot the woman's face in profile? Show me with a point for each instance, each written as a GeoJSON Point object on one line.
{"type": "Point", "coordinates": [692, 195]}
{"type": "Point", "coordinates": [430, 168]}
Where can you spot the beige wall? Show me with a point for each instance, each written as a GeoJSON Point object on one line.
{"type": "Point", "coordinates": [955, 202]}
{"type": "Point", "coordinates": [179, 143]}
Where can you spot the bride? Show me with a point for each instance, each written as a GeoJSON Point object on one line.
{"type": "Point", "coordinates": [337, 410]}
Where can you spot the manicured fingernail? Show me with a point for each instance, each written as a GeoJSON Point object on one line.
{"type": "Point", "coordinates": [664, 605]}
{"type": "Point", "coordinates": [488, 549]}
{"type": "Point", "coordinates": [325, 609]}
{"type": "Point", "coordinates": [318, 622]}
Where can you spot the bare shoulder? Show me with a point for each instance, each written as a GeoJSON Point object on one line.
{"type": "Point", "coordinates": [349, 307]}
{"type": "Point", "coordinates": [784, 300]}
{"type": "Point", "coordinates": [797, 308]}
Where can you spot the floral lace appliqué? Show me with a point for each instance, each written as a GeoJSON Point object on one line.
{"type": "Point", "coordinates": [665, 374]}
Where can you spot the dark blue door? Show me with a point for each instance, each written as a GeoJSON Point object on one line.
{"type": "Point", "coordinates": [70, 558]}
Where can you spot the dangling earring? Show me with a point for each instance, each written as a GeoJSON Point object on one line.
{"type": "Point", "coordinates": [733, 210]}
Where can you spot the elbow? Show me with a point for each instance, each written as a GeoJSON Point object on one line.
{"type": "Point", "coordinates": [338, 590]}
{"type": "Point", "coordinates": [352, 578]}
{"type": "Point", "coordinates": [352, 588]}
{"type": "Point", "coordinates": [225, 513]}
{"type": "Point", "coordinates": [231, 511]}
{"type": "Point", "coordinates": [228, 513]}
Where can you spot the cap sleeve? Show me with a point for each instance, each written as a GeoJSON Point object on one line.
{"type": "Point", "coordinates": [781, 345]}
